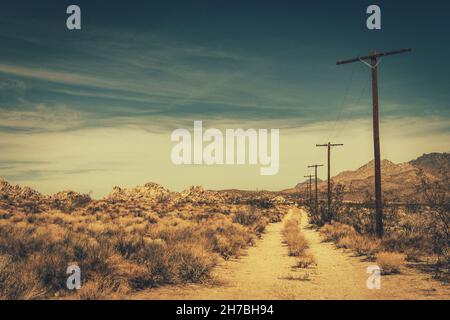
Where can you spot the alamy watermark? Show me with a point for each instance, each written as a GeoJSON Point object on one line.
{"type": "Point", "coordinates": [374, 280]}
{"type": "Point", "coordinates": [235, 146]}
{"type": "Point", "coordinates": [74, 279]}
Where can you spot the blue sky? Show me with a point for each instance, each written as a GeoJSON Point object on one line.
{"type": "Point", "coordinates": [147, 67]}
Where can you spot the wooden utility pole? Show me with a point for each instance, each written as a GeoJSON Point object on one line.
{"type": "Point", "coordinates": [315, 179]}
{"type": "Point", "coordinates": [310, 186]}
{"type": "Point", "coordinates": [329, 145]}
{"type": "Point", "coordinates": [374, 60]}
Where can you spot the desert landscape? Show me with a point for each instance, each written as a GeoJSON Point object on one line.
{"type": "Point", "coordinates": [220, 150]}
{"type": "Point", "coordinates": [150, 243]}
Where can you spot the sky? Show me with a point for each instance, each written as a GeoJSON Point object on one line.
{"type": "Point", "coordinates": [93, 108]}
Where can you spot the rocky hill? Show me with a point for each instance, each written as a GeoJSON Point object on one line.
{"type": "Point", "coordinates": [399, 180]}
{"type": "Point", "coordinates": [25, 199]}
{"type": "Point", "coordinates": [151, 196]}
{"type": "Point", "coordinates": [433, 163]}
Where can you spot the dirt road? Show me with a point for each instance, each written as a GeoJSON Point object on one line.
{"type": "Point", "coordinates": [267, 272]}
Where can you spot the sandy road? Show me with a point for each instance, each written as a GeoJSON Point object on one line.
{"type": "Point", "coordinates": [267, 272]}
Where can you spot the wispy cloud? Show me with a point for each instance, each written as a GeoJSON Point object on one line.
{"type": "Point", "coordinates": [40, 118]}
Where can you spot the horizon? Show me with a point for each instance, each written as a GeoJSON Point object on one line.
{"type": "Point", "coordinates": [187, 187]}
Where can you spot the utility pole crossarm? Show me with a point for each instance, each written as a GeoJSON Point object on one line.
{"type": "Point", "coordinates": [329, 144]}
{"type": "Point", "coordinates": [375, 55]}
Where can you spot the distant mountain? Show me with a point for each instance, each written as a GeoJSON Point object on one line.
{"type": "Point", "coordinates": [17, 199]}
{"type": "Point", "coordinates": [433, 163]}
{"type": "Point", "coordinates": [399, 181]}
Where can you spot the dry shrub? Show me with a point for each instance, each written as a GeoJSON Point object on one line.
{"type": "Point", "coordinates": [346, 237]}
{"type": "Point", "coordinates": [16, 283]}
{"type": "Point", "coordinates": [99, 288]}
{"type": "Point", "coordinates": [367, 246]}
{"type": "Point", "coordinates": [247, 217]}
{"type": "Point", "coordinates": [120, 246]}
{"type": "Point", "coordinates": [194, 263]}
{"type": "Point", "coordinates": [347, 242]}
{"type": "Point", "coordinates": [390, 262]}
{"type": "Point", "coordinates": [306, 261]}
{"type": "Point", "coordinates": [296, 241]}
{"type": "Point", "coordinates": [336, 231]}
{"type": "Point", "coordinates": [413, 255]}
{"type": "Point", "coordinates": [227, 238]}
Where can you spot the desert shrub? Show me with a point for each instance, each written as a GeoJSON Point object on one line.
{"type": "Point", "coordinates": [346, 242]}
{"type": "Point", "coordinates": [97, 288]}
{"type": "Point", "coordinates": [296, 241]}
{"type": "Point", "coordinates": [367, 246]}
{"type": "Point", "coordinates": [194, 263]}
{"type": "Point", "coordinates": [260, 225]}
{"type": "Point", "coordinates": [16, 283]}
{"type": "Point", "coordinates": [346, 237]}
{"type": "Point", "coordinates": [361, 219]}
{"type": "Point", "coordinates": [225, 237]}
{"type": "Point", "coordinates": [306, 261]}
{"type": "Point", "coordinates": [390, 262]}
{"type": "Point", "coordinates": [121, 245]}
{"type": "Point", "coordinates": [50, 269]}
{"type": "Point", "coordinates": [248, 217]}
{"type": "Point", "coordinates": [436, 194]}
{"type": "Point", "coordinates": [411, 233]}
{"type": "Point", "coordinates": [336, 231]}
{"type": "Point", "coordinates": [263, 202]}
{"type": "Point", "coordinates": [228, 242]}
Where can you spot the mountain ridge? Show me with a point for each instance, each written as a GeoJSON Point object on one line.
{"type": "Point", "coordinates": [399, 180]}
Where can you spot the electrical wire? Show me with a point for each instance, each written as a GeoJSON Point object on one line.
{"type": "Point", "coordinates": [339, 114]}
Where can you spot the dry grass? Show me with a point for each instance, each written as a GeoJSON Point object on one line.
{"type": "Point", "coordinates": [121, 247]}
{"type": "Point", "coordinates": [346, 237]}
{"type": "Point", "coordinates": [297, 243]}
{"type": "Point", "coordinates": [306, 261]}
{"type": "Point", "coordinates": [390, 262]}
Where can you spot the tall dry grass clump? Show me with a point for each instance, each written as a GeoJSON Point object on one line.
{"type": "Point", "coordinates": [297, 243]}
{"type": "Point", "coordinates": [346, 237]}
{"type": "Point", "coordinates": [390, 262]}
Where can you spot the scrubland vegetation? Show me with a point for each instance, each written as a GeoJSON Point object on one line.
{"type": "Point", "coordinates": [414, 232]}
{"type": "Point", "coordinates": [390, 262]}
{"type": "Point", "coordinates": [122, 243]}
{"type": "Point", "coordinates": [297, 243]}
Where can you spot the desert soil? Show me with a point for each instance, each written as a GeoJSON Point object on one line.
{"type": "Point", "coordinates": [267, 272]}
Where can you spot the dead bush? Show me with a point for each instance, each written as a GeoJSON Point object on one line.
{"type": "Point", "coordinates": [390, 262]}
{"type": "Point", "coordinates": [296, 241]}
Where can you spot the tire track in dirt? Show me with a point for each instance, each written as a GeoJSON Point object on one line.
{"type": "Point", "coordinates": [267, 272]}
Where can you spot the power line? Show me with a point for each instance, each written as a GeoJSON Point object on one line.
{"type": "Point", "coordinates": [339, 106]}
{"type": "Point", "coordinates": [347, 119]}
